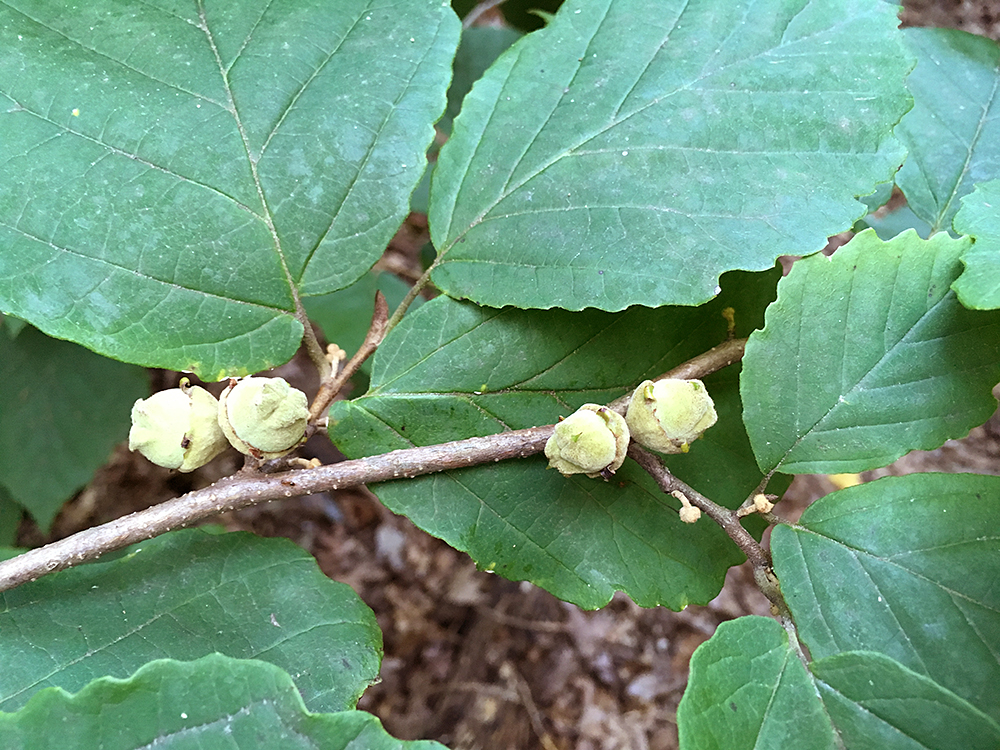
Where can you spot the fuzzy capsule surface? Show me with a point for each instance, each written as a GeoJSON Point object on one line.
{"type": "Point", "coordinates": [177, 428]}
{"type": "Point", "coordinates": [592, 440]}
{"type": "Point", "coordinates": [670, 414]}
{"type": "Point", "coordinates": [263, 417]}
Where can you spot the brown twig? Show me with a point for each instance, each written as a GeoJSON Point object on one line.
{"type": "Point", "coordinates": [330, 387]}
{"type": "Point", "coordinates": [727, 519]}
{"type": "Point", "coordinates": [528, 701]}
{"type": "Point", "coordinates": [251, 487]}
{"type": "Point", "coordinates": [243, 490]}
{"type": "Point", "coordinates": [715, 359]}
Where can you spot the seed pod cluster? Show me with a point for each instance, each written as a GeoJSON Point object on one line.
{"type": "Point", "coordinates": [185, 428]}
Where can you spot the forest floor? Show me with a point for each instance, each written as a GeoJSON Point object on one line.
{"type": "Point", "coordinates": [471, 659]}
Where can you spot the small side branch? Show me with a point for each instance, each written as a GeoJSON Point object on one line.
{"type": "Point", "coordinates": [330, 387]}
{"type": "Point", "coordinates": [727, 519]}
{"type": "Point", "coordinates": [722, 516]}
{"type": "Point", "coordinates": [411, 295]}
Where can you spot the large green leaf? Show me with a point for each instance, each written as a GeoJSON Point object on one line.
{"type": "Point", "coordinates": [214, 702]}
{"type": "Point", "coordinates": [749, 690]}
{"type": "Point", "coordinates": [181, 596]}
{"type": "Point", "coordinates": [64, 408]}
{"type": "Point", "coordinates": [979, 285]}
{"type": "Point", "coordinates": [607, 161]}
{"type": "Point", "coordinates": [453, 369]}
{"type": "Point", "coordinates": [905, 566]}
{"type": "Point", "coordinates": [171, 176]}
{"type": "Point", "coordinates": [953, 130]}
{"type": "Point", "coordinates": [867, 355]}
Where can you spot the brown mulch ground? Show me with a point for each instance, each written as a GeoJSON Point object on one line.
{"type": "Point", "coordinates": [471, 659]}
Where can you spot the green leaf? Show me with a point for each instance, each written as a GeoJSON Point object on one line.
{"type": "Point", "coordinates": [214, 702]}
{"type": "Point", "coordinates": [604, 163]}
{"type": "Point", "coordinates": [867, 355]}
{"type": "Point", "coordinates": [952, 132]}
{"type": "Point", "coordinates": [748, 689]}
{"type": "Point", "coordinates": [172, 177]}
{"type": "Point", "coordinates": [877, 703]}
{"type": "Point", "coordinates": [452, 370]}
{"type": "Point", "coordinates": [181, 596]}
{"type": "Point", "coordinates": [979, 285]}
{"type": "Point", "coordinates": [907, 567]}
{"type": "Point", "coordinates": [64, 409]}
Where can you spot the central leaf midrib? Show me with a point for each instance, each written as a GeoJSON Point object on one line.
{"type": "Point", "coordinates": [267, 216]}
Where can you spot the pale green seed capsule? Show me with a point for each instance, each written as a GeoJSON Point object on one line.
{"type": "Point", "coordinates": [670, 414]}
{"type": "Point", "coordinates": [177, 428]}
{"type": "Point", "coordinates": [592, 441]}
{"type": "Point", "coordinates": [263, 417]}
